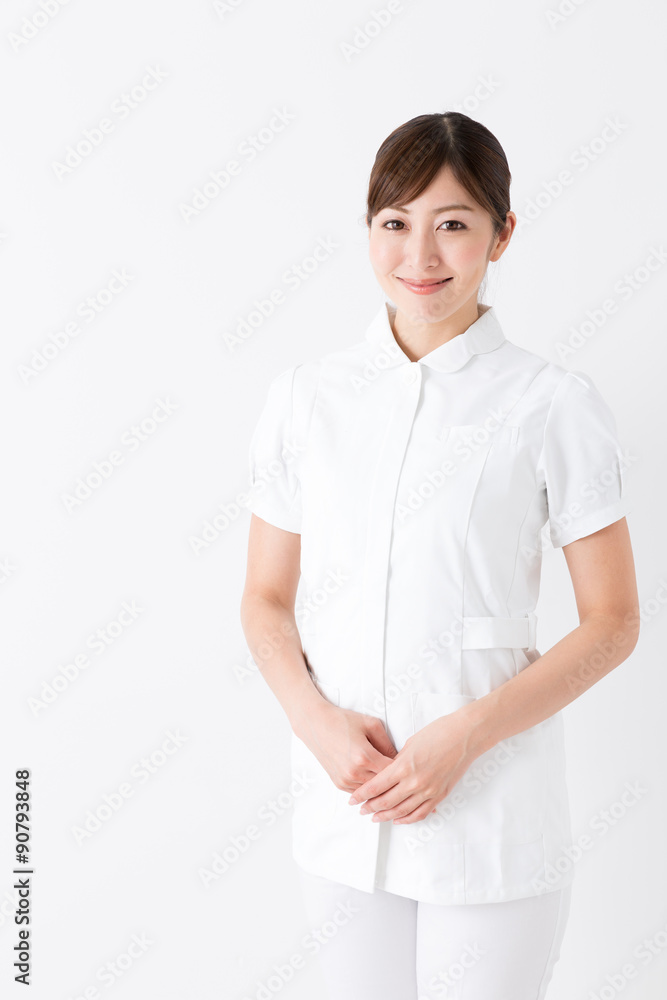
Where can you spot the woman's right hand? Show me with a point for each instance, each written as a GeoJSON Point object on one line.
{"type": "Point", "coordinates": [351, 746]}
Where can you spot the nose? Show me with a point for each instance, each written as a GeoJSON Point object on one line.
{"type": "Point", "coordinates": [422, 252]}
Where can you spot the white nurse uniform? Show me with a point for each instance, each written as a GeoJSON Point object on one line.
{"type": "Point", "coordinates": [423, 492]}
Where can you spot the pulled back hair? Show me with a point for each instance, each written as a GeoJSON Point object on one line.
{"type": "Point", "coordinates": [412, 155]}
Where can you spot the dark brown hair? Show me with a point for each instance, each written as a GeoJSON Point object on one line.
{"type": "Point", "coordinates": [412, 155]}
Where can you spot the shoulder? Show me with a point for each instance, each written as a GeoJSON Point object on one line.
{"type": "Point", "coordinates": [552, 378]}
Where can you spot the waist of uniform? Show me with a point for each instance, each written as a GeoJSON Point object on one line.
{"type": "Point", "coordinates": [488, 633]}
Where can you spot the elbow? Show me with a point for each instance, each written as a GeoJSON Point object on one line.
{"type": "Point", "coordinates": [630, 625]}
{"type": "Point", "coordinates": [621, 629]}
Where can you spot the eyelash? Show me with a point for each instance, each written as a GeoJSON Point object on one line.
{"type": "Point", "coordinates": [446, 222]}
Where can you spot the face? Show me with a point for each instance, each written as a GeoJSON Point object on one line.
{"type": "Point", "coordinates": [442, 242]}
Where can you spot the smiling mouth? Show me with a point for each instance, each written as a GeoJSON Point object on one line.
{"type": "Point", "coordinates": [424, 284]}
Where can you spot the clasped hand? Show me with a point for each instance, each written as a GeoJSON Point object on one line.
{"type": "Point", "coordinates": [403, 786]}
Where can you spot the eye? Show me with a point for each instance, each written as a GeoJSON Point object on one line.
{"type": "Point", "coordinates": [389, 222]}
{"type": "Point", "coordinates": [456, 223]}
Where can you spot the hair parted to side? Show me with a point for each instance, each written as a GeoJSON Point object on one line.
{"type": "Point", "coordinates": [412, 155]}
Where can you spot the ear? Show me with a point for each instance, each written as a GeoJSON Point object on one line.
{"type": "Point", "coordinates": [504, 236]}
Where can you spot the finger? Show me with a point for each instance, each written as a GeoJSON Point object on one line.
{"type": "Point", "coordinates": [378, 784]}
{"type": "Point", "coordinates": [382, 803]}
{"type": "Point", "coordinates": [421, 811]}
{"type": "Point", "coordinates": [407, 805]}
{"type": "Point", "coordinates": [379, 738]}
{"type": "Point", "coordinates": [377, 761]}
{"type": "Point", "coordinates": [367, 773]}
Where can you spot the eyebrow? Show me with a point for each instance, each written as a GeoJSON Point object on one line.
{"type": "Point", "coordinates": [435, 211]}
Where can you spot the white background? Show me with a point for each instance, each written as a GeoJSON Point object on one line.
{"type": "Point", "coordinates": [178, 666]}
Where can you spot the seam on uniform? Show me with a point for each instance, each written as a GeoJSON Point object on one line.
{"type": "Point", "coordinates": [518, 544]}
{"type": "Point", "coordinates": [555, 940]}
{"type": "Point", "coordinates": [464, 546]}
{"type": "Point", "coordinates": [313, 405]}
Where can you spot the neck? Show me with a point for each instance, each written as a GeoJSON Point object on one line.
{"type": "Point", "coordinates": [417, 337]}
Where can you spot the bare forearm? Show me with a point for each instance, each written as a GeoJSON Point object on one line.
{"type": "Point", "coordinates": [275, 645]}
{"type": "Point", "coordinates": [570, 667]}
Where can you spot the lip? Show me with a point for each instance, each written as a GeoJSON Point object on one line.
{"type": "Point", "coordinates": [425, 287]}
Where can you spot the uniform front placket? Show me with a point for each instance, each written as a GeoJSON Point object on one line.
{"type": "Point", "coordinates": [402, 384]}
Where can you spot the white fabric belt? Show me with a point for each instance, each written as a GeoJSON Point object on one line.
{"type": "Point", "coordinates": [485, 633]}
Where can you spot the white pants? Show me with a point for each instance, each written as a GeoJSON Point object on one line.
{"type": "Point", "coordinates": [380, 946]}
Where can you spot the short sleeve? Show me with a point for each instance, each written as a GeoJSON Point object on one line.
{"type": "Point", "coordinates": [581, 462]}
{"type": "Point", "coordinates": [274, 486]}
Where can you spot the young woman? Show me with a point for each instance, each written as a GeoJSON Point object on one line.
{"type": "Point", "coordinates": [407, 480]}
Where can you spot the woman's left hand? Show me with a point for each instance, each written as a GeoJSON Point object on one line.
{"type": "Point", "coordinates": [422, 773]}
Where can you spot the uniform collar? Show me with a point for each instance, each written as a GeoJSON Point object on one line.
{"type": "Point", "coordinates": [484, 335]}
